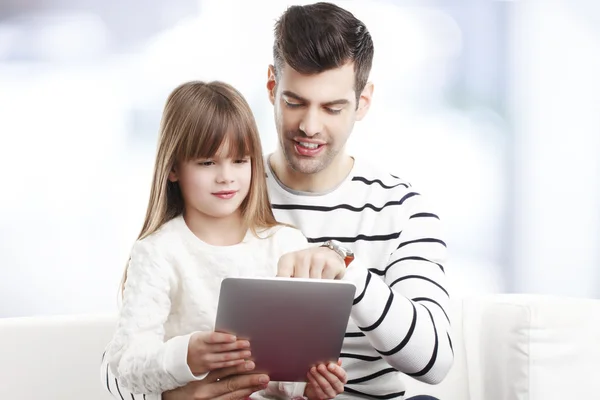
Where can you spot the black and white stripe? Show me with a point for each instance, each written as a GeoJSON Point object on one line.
{"type": "Point", "coordinates": [396, 239]}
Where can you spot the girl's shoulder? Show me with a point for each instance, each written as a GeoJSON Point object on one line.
{"type": "Point", "coordinates": [165, 236]}
{"type": "Point", "coordinates": [278, 231]}
{"type": "Point", "coordinates": [286, 237]}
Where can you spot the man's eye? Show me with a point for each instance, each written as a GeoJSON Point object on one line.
{"type": "Point", "coordinates": [292, 105]}
{"type": "Point", "coordinates": [334, 111]}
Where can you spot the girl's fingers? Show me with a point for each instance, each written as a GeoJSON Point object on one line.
{"type": "Point", "coordinates": [335, 382]}
{"type": "Point", "coordinates": [219, 337]}
{"type": "Point", "coordinates": [228, 356]}
{"type": "Point", "coordinates": [324, 379]}
{"type": "Point", "coordinates": [224, 347]}
{"type": "Point", "coordinates": [225, 364]}
{"type": "Point", "coordinates": [338, 371]}
{"type": "Point", "coordinates": [315, 386]}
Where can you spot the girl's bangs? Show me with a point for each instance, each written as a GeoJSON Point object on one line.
{"type": "Point", "coordinates": [224, 133]}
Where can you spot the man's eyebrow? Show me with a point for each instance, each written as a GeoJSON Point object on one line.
{"type": "Point", "coordinates": [339, 102]}
{"type": "Point", "coordinates": [294, 96]}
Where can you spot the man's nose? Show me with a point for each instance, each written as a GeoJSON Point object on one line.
{"type": "Point", "coordinates": [311, 123]}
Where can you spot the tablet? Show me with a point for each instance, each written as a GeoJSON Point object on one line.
{"type": "Point", "coordinates": [292, 324]}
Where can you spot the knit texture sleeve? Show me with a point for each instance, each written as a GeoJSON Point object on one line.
{"type": "Point", "coordinates": [138, 355]}
{"type": "Point", "coordinates": [283, 390]}
{"type": "Point", "coordinates": [110, 382]}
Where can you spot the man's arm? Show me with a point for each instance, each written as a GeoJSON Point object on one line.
{"type": "Point", "coordinates": [402, 308]}
{"type": "Point", "coordinates": [399, 307]}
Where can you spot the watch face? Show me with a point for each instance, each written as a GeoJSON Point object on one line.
{"type": "Point", "coordinates": [338, 248]}
{"type": "Point", "coordinates": [345, 250]}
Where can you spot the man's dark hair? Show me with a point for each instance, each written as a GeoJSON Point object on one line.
{"type": "Point", "coordinates": [322, 36]}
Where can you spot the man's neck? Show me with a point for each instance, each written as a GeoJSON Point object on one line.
{"type": "Point", "coordinates": [226, 231]}
{"type": "Point", "coordinates": [320, 182]}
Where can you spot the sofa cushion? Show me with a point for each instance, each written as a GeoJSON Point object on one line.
{"type": "Point", "coordinates": [53, 357]}
{"type": "Point", "coordinates": [539, 348]}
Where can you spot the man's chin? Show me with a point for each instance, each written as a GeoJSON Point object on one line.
{"type": "Point", "coordinates": [307, 167]}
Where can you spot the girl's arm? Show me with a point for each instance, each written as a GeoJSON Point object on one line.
{"type": "Point", "coordinates": [138, 355]}
{"type": "Point", "coordinates": [111, 384]}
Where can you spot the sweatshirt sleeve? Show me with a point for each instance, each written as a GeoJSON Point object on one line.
{"type": "Point", "coordinates": [283, 390]}
{"type": "Point", "coordinates": [402, 307]}
{"type": "Point", "coordinates": [138, 355]}
{"type": "Point", "coordinates": [110, 382]}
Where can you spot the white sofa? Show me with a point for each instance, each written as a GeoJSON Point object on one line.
{"type": "Point", "coordinates": [508, 347]}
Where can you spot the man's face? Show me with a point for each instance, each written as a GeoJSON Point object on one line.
{"type": "Point", "coordinates": [314, 115]}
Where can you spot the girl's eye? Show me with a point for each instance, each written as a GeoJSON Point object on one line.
{"type": "Point", "coordinates": [242, 161]}
{"type": "Point", "coordinates": [205, 163]}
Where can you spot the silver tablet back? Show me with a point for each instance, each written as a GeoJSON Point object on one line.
{"type": "Point", "coordinates": [292, 324]}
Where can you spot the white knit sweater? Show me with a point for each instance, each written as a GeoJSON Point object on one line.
{"type": "Point", "coordinates": [172, 290]}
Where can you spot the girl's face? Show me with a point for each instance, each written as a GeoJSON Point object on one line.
{"type": "Point", "coordinates": [214, 187]}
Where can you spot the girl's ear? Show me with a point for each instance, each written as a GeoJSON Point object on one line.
{"type": "Point", "coordinates": [173, 176]}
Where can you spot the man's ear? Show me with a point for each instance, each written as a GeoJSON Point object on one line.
{"type": "Point", "coordinates": [271, 83]}
{"type": "Point", "coordinates": [173, 175]}
{"type": "Point", "coordinates": [364, 102]}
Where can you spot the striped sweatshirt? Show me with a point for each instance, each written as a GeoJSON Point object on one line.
{"type": "Point", "coordinates": [399, 324]}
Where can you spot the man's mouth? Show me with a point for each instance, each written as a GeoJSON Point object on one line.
{"type": "Point", "coordinates": [308, 145]}
{"type": "Point", "coordinates": [308, 149]}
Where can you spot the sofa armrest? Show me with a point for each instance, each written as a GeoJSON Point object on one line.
{"type": "Point", "coordinates": [53, 357]}
{"type": "Point", "coordinates": [535, 347]}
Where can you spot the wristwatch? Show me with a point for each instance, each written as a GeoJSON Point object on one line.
{"type": "Point", "coordinates": [344, 252]}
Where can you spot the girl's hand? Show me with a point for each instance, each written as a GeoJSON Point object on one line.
{"type": "Point", "coordinates": [325, 382]}
{"type": "Point", "coordinates": [208, 351]}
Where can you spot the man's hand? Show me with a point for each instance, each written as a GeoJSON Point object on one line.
{"type": "Point", "coordinates": [314, 263]}
{"type": "Point", "coordinates": [325, 382]}
{"type": "Point", "coordinates": [233, 383]}
{"type": "Point", "coordinates": [208, 351]}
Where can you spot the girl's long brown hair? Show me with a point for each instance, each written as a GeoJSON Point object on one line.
{"type": "Point", "coordinates": [198, 119]}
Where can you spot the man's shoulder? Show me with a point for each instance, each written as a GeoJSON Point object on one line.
{"type": "Point", "coordinates": [384, 188]}
{"type": "Point", "coordinates": [376, 176]}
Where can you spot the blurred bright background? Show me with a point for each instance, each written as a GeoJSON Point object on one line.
{"type": "Point", "coordinates": [491, 108]}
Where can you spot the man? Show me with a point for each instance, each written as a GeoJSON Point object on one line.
{"type": "Point", "coordinates": [319, 88]}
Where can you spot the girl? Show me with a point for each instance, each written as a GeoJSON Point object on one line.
{"type": "Point", "coordinates": [208, 218]}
